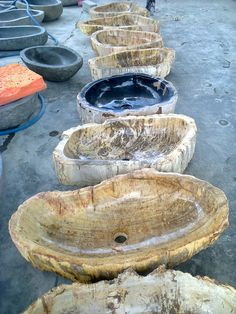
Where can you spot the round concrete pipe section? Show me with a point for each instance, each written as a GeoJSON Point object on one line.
{"type": "Point", "coordinates": [124, 95]}
{"type": "Point", "coordinates": [20, 37]}
{"type": "Point", "coordinates": [19, 17]}
{"type": "Point", "coordinates": [52, 8]}
{"type": "Point", "coordinates": [54, 63]}
{"type": "Point", "coordinates": [18, 112]}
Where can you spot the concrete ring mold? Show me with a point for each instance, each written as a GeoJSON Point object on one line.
{"type": "Point", "coordinates": [52, 8]}
{"type": "Point", "coordinates": [141, 220]}
{"type": "Point", "coordinates": [109, 41]}
{"type": "Point", "coordinates": [54, 63]}
{"type": "Point", "coordinates": [153, 61]}
{"type": "Point", "coordinates": [19, 17]}
{"type": "Point", "coordinates": [130, 94]}
{"type": "Point", "coordinates": [18, 112]}
{"type": "Point", "coordinates": [20, 37]}
{"type": "Point", "coordinates": [91, 153]}
{"type": "Point", "coordinates": [116, 8]}
{"type": "Point", "coordinates": [162, 291]}
{"type": "Point", "coordinates": [125, 21]}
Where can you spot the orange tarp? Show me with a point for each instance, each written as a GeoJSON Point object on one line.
{"type": "Point", "coordinates": [17, 81]}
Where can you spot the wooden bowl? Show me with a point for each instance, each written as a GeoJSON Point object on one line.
{"type": "Point", "coordinates": [162, 291]}
{"type": "Point", "coordinates": [125, 21]}
{"type": "Point", "coordinates": [130, 94]}
{"type": "Point", "coordinates": [139, 220]}
{"type": "Point", "coordinates": [109, 41]}
{"type": "Point", "coordinates": [116, 8]}
{"type": "Point", "coordinates": [152, 61]}
{"type": "Point", "coordinates": [91, 153]}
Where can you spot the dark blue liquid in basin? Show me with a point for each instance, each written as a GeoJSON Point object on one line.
{"type": "Point", "coordinates": [133, 91]}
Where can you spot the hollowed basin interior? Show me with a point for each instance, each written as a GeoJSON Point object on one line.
{"type": "Point", "coordinates": [132, 212]}
{"type": "Point", "coordinates": [128, 91]}
{"type": "Point", "coordinates": [123, 38]}
{"type": "Point", "coordinates": [42, 2]}
{"type": "Point", "coordinates": [114, 7]}
{"type": "Point", "coordinates": [19, 31]}
{"type": "Point", "coordinates": [50, 56]}
{"type": "Point", "coordinates": [15, 14]}
{"type": "Point", "coordinates": [122, 20]}
{"type": "Point", "coordinates": [139, 138]}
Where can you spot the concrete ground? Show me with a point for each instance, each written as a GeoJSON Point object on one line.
{"type": "Point", "coordinates": [203, 34]}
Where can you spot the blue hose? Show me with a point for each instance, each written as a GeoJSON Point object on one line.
{"type": "Point", "coordinates": [31, 121]}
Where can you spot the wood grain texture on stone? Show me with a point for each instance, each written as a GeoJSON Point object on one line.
{"type": "Point", "coordinates": [153, 61]}
{"type": "Point", "coordinates": [109, 41]}
{"type": "Point", "coordinates": [162, 291]}
{"type": "Point", "coordinates": [140, 220]}
{"type": "Point", "coordinates": [129, 94]}
{"type": "Point", "coordinates": [116, 8]}
{"type": "Point", "coordinates": [124, 21]}
{"type": "Point", "coordinates": [91, 153]}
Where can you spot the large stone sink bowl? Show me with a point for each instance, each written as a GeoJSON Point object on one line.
{"type": "Point", "coordinates": [125, 95]}
{"type": "Point", "coordinates": [109, 41]}
{"type": "Point", "coordinates": [162, 291]}
{"type": "Point", "coordinates": [52, 8]}
{"type": "Point", "coordinates": [115, 8]}
{"type": "Point", "coordinates": [153, 61]}
{"type": "Point", "coordinates": [91, 153]}
{"type": "Point", "coordinates": [138, 220]}
{"type": "Point", "coordinates": [125, 21]}
{"type": "Point", "coordinates": [19, 17]}
{"type": "Point", "coordinates": [54, 63]}
{"type": "Point", "coordinates": [20, 37]}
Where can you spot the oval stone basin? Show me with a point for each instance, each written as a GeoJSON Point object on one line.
{"type": "Point", "coordinates": [153, 61]}
{"type": "Point", "coordinates": [125, 21]}
{"type": "Point", "coordinates": [54, 63]}
{"type": "Point", "coordinates": [139, 220]}
{"type": "Point", "coordinates": [109, 41]}
{"type": "Point", "coordinates": [112, 9]}
{"type": "Point", "coordinates": [162, 291]}
{"type": "Point", "coordinates": [19, 17]}
{"type": "Point", "coordinates": [91, 153]}
{"type": "Point", "coordinates": [20, 37]}
{"type": "Point", "coordinates": [52, 8]}
{"type": "Point", "coordinates": [124, 95]}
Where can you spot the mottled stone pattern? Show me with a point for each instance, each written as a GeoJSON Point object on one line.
{"type": "Point", "coordinates": [163, 291]}
{"type": "Point", "coordinates": [91, 153]}
{"type": "Point", "coordinates": [124, 21]}
{"type": "Point", "coordinates": [78, 234]}
{"type": "Point", "coordinates": [108, 41]}
{"type": "Point", "coordinates": [153, 61]}
{"type": "Point", "coordinates": [112, 9]}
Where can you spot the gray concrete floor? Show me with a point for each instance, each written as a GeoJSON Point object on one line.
{"type": "Point", "coordinates": [203, 34]}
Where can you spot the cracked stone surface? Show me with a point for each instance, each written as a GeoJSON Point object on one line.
{"type": "Point", "coordinates": [203, 35]}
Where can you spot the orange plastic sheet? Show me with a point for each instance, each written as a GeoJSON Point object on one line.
{"type": "Point", "coordinates": [17, 81]}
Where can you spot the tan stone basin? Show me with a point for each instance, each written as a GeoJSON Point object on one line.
{"type": "Point", "coordinates": [116, 8]}
{"type": "Point", "coordinates": [152, 61]}
{"type": "Point", "coordinates": [91, 153]}
{"type": "Point", "coordinates": [139, 220]}
{"type": "Point", "coordinates": [124, 21]}
{"type": "Point", "coordinates": [163, 291]}
{"type": "Point", "coordinates": [108, 41]}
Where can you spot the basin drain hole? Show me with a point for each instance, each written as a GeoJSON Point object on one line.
{"type": "Point", "coordinates": [120, 238]}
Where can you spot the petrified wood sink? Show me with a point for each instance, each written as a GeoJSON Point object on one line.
{"type": "Point", "coordinates": [153, 61]}
{"type": "Point", "coordinates": [52, 8]}
{"type": "Point", "coordinates": [20, 37]}
{"type": "Point", "coordinates": [125, 95]}
{"type": "Point", "coordinates": [163, 291]}
{"type": "Point", "coordinates": [54, 63]}
{"type": "Point", "coordinates": [116, 8]}
{"type": "Point", "coordinates": [91, 153]}
{"type": "Point", "coordinates": [19, 17]}
{"type": "Point", "coordinates": [109, 41]}
{"type": "Point", "coordinates": [139, 220]}
{"type": "Point", "coordinates": [125, 21]}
